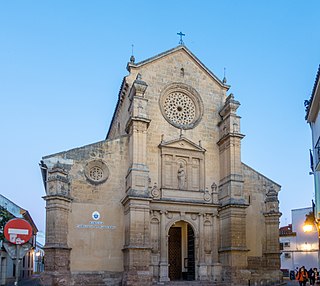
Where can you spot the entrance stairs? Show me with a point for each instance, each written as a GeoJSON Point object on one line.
{"type": "Point", "coordinates": [188, 283]}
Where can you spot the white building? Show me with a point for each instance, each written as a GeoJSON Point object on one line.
{"type": "Point", "coordinates": [298, 247]}
{"type": "Point", "coordinates": [313, 118]}
{"type": "Point", "coordinates": [7, 265]}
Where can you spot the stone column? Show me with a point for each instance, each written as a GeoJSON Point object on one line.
{"type": "Point", "coordinates": [164, 266]}
{"type": "Point", "coordinates": [202, 266]}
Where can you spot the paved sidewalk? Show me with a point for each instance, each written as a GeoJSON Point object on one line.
{"type": "Point", "coordinates": [296, 283]}
{"type": "Point", "coordinates": [34, 281]}
{"type": "Point", "coordinates": [291, 283]}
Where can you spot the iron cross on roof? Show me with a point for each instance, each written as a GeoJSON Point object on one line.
{"type": "Point", "coordinates": [181, 35]}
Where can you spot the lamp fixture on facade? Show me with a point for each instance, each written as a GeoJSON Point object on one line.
{"type": "Point", "coordinates": [309, 222]}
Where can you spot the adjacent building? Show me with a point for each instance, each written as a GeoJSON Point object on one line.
{"type": "Point", "coordinates": [313, 118]}
{"type": "Point", "coordinates": [165, 196]}
{"type": "Point", "coordinates": [38, 265]}
{"type": "Point", "coordinates": [298, 248]}
{"type": "Point", "coordinates": [7, 265]}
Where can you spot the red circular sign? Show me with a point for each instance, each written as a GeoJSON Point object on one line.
{"type": "Point", "coordinates": [18, 231]}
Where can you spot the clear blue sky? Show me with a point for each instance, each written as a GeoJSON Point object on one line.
{"type": "Point", "coordinates": [62, 63]}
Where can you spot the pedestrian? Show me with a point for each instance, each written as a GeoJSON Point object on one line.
{"type": "Point", "coordinates": [316, 275]}
{"type": "Point", "coordinates": [312, 276]}
{"type": "Point", "coordinates": [302, 276]}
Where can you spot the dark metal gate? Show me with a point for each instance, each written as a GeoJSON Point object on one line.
{"type": "Point", "coordinates": [191, 257]}
{"type": "Point", "coordinates": [175, 265]}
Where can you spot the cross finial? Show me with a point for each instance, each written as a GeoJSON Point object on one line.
{"type": "Point", "coordinates": [181, 35]}
{"type": "Point", "coordinates": [132, 59]}
{"type": "Point", "coordinates": [224, 76]}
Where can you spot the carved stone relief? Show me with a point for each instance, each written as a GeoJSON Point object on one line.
{"type": "Point", "coordinates": [207, 236]}
{"type": "Point", "coordinates": [155, 234]}
{"type": "Point", "coordinates": [155, 192]}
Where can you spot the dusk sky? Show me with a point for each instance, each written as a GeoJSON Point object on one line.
{"type": "Point", "coordinates": [62, 64]}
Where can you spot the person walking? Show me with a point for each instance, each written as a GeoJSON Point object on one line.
{"type": "Point", "coordinates": [302, 276]}
{"type": "Point", "coordinates": [312, 276]}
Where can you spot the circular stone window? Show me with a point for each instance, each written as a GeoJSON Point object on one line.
{"type": "Point", "coordinates": [96, 171]}
{"type": "Point", "coordinates": [181, 105]}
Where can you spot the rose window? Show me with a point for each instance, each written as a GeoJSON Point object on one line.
{"type": "Point", "coordinates": [96, 173]}
{"type": "Point", "coordinates": [181, 105]}
{"type": "Point", "coordinates": [179, 108]}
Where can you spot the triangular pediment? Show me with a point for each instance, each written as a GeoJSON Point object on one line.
{"type": "Point", "coordinates": [186, 51]}
{"type": "Point", "coordinates": [182, 143]}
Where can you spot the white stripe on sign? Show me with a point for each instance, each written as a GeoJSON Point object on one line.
{"type": "Point", "coordinates": [18, 231]}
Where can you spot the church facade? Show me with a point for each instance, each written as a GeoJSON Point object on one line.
{"type": "Point", "coordinates": [165, 197]}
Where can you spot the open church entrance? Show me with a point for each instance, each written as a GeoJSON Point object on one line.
{"type": "Point", "coordinates": [181, 252]}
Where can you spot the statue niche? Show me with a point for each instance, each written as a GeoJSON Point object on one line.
{"type": "Point", "coordinates": [182, 165]}
{"type": "Point", "coordinates": [181, 177]}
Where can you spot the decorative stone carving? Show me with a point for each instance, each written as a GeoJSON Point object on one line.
{"type": "Point", "coordinates": [155, 192]}
{"type": "Point", "coordinates": [169, 215]}
{"type": "Point", "coordinates": [57, 181]}
{"type": "Point", "coordinates": [155, 234]}
{"type": "Point", "coordinates": [214, 192]}
{"type": "Point", "coordinates": [272, 202]}
{"type": "Point", "coordinates": [96, 172]}
{"type": "Point", "coordinates": [206, 196]}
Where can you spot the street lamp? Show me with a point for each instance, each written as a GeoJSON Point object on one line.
{"type": "Point", "coordinates": [309, 223]}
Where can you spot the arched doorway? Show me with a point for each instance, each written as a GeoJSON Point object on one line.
{"type": "Point", "coordinates": [181, 252]}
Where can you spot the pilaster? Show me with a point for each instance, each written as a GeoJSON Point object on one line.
{"type": "Point", "coordinates": [164, 265]}
{"type": "Point", "coordinates": [272, 215]}
{"type": "Point", "coordinates": [137, 248]}
{"type": "Point", "coordinates": [232, 214]}
{"type": "Point", "coordinates": [231, 178]}
{"type": "Point", "coordinates": [58, 205]}
{"type": "Point", "coordinates": [202, 265]}
{"type": "Point", "coordinates": [137, 126]}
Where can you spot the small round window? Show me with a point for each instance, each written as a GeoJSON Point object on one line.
{"type": "Point", "coordinates": [96, 171]}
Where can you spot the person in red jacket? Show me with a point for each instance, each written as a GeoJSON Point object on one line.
{"type": "Point", "coordinates": [302, 276]}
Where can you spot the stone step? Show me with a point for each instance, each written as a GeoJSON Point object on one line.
{"type": "Point", "coordinates": [187, 283]}
{"type": "Point", "coordinates": [112, 281]}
